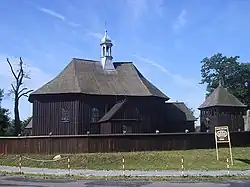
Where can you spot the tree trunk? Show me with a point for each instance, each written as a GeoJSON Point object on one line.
{"type": "Point", "coordinates": [17, 118]}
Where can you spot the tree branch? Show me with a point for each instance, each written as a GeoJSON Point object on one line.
{"type": "Point", "coordinates": [12, 70]}
{"type": "Point", "coordinates": [22, 90]}
{"type": "Point", "coordinates": [24, 94]}
{"type": "Point", "coordinates": [13, 88]}
{"type": "Point", "coordinates": [20, 74]}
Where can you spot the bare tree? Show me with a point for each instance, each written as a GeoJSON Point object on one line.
{"type": "Point", "coordinates": [18, 90]}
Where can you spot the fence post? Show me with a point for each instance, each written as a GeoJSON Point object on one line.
{"type": "Point", "coordinates": [228, 172]}
{"type": "Point", "coordinates": [69, 166]}
{"type": "Point", "coordinates": [182, 166]}
{"type": "Point", "coordinates": [20, 164]}
{"type": "Point", "coordinates": [123, 166]}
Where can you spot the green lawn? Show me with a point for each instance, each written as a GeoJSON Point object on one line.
{"type": "Point", "coordinates": [156, 160]}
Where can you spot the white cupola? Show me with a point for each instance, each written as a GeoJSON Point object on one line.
{"type": "Point", "coordinates": [106, 55]}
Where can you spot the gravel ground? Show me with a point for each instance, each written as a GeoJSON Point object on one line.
{"type": "Point", "coordinates": [14, 181]}
{"type": "Point", "coordinates": [119, 172]}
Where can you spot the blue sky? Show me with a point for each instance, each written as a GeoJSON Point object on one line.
{"type": "Point", "coordinates": [165, 39]}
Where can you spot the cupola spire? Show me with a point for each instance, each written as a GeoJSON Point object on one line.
{"type": "Point", "coordinates": [106, 52]}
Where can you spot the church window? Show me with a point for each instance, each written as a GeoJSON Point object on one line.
{"type": "Point", "coordinates": [103, 51]}
{"type": "Point", "coordinates": [95, 115]}
{"type": "Point", "coordinates": [65, 115]}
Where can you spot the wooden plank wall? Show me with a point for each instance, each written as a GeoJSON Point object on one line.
{"type": "Point", "coordinates": [47, 113]}
{"type": "Point", "coordinates": [114, 143]}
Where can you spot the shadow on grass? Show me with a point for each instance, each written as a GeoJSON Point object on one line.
{"type": "Point", "coordinates": [247, 161]}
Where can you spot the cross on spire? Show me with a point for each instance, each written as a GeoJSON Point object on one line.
{"type": "Point", "coordinates": [221, 81]}
{"type": "Point", "coordinates": [105, 26]}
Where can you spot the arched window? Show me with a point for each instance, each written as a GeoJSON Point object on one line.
{"type": "Point", "coordinates": [103, 51]}
{"type": "Point", "coordinates": [107, 50]}
{"type": "Point", "coordinates": [95, 115]}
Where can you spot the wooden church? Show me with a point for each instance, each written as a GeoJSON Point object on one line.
{"type": "Point", "coordinates": [104, 97]}
{"type": "Point", "coordinates": [221, 108]}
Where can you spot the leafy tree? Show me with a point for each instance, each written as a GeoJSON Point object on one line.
{"type": "Point", "coordinates": [10, 131]}
{"type": "Point", "coordinates": [232, 73]}
{"type": "Point", "coordinates": [11, 128]}
{"type": "Point", "coordinates": [238, 86]}
{"type": "Point", "coordinates": [24, 124]}
{"type": "Point", "coordinates": [191, 110]}
{"type": "Point", "coordinates": [4, 116]}
{"type": "Point", "coordinates": [18, 90]}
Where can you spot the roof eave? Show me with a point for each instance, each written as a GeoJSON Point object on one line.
{"type": "Point", "coordinates": [238, 106]}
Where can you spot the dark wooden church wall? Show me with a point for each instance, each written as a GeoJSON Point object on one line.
{"type": "Point", "coordinates": [128, 111]}
{"type": "Point", "coordinates": [179, 126]}
{"type": "Point", "coordinates": [223, 116]}
{"type": "Point", "coordinates": [190, 126]}
{"type": "Point", "coordinates": [152, 114]}
{"type": "Point", "coordinates": [148, 108]}
{"type": "Point", "coordinates": [117, 127]}
{"type": "Point", "coordinates": [87, 104]}
{"type": "Point", "coordinates": [57, 117]}
{"type": "Point", "coordinates": [47, 113]}
{"type": "Point", "coordinates": [129, 115]}
{"type": "Point", "coordinates": [211, 115]}
{"type": "Point", "coordinates": [105, 128]}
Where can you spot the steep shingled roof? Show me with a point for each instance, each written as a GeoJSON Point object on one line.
{"type": "Point", "coordinates": [112, 111]}
{"type": "Point", "coordinates": [179, 111]}
{"type": "Point", "coordinates": [88, 77]}
{"type": "Point", "coordinates": [221, 97]}
{"type": "Point", "coordinates": [29, 126]}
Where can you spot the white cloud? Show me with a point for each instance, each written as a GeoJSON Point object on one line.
{"type": "Point", "coordinates": [180, 21]}
{"type": "Point", "coordinates": [159, 7]}
{"type": "Point", "coordinates": [138, 7]}
{"type": "Point", "coordinates": [58, 16]}
{"type": "Point", "coordinates": [74, 24]}
{"type": "Point", "coordinates": [38, 78]}
{"type": "Point", "coordinates": [96, 35]}
{"type": "Point", "coordinates": [177, 78]}
{"type": "Point", "coordinates": [52, 13]}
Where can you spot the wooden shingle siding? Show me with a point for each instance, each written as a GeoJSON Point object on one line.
{"type": "Point", "coordinates": [47, 117]}
{"type": "Point", "coordinates": [88, 77]}
{"type": "Point", "coordinates": [145, 114]}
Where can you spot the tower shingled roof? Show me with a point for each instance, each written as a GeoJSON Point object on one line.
{"type": "Point", "coordinates": [221, 97]}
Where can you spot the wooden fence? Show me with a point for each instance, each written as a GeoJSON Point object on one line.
{"type": "Point", "coordinates": [114, 143]}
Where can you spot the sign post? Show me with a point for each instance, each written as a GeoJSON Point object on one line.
{"type": "Point", "coordinates": [222, 136]}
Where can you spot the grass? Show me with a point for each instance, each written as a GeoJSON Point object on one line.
{"type": "Point", "coordinates": [155, 160]}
